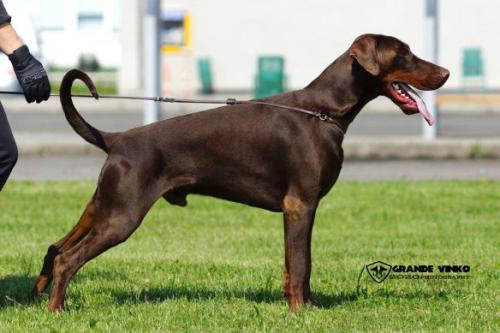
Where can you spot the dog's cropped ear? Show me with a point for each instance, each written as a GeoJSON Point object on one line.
{"type": "Point", "coordinates": [364, 50]}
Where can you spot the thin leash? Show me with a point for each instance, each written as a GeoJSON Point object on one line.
{"type": "Point", "coordinates": [229, 101]}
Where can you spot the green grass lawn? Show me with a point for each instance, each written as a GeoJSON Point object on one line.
{"type": "Point", "coordinates": [103, 88]}
{"type": "Point", "coordinates": [217, 266]}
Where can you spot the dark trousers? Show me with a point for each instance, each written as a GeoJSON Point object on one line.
{"type": "Point", "coordinates": [8, 148]}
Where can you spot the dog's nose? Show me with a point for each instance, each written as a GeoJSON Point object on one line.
{"type": "Point", "coordinates": [445, 74]}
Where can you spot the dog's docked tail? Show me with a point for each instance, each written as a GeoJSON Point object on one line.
{"type": "Point", "coordinates": [85, 130]}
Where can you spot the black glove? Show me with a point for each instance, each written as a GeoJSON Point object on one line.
{"type": "Point", "coordinates": [31, 75]}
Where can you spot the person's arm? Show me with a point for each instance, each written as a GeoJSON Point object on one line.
{"type": "Point", "coordinates": [29, 71]}
{"type": "Point", "coordinates": [4, 16]}
{"type": "Point", "coordinates": [9, 40]}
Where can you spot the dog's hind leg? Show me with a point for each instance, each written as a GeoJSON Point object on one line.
{"type": "Point", "coordinates": [119, 206]}
{"type": "Point", "coordinates": [120, 203]}
{"type": "Point", "coordinates": [74, 236]}
{"type": "Point", "coordinates": [106, 233]}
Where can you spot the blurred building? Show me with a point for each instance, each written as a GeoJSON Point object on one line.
{"type": "Point", "coordinates": [67, 29]}
{"type": "Point", "coordinates": [309, 34]}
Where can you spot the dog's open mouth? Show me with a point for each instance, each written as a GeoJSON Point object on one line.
{"type": "Point", "coordinates": [408, 100]}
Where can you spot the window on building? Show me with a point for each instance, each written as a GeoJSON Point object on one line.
{"type": "Point", "coordinates": [175, 30]}
{"type": "Point", "coordinates": [90, 14]}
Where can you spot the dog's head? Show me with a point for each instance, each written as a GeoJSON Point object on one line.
{"type": "Point", "coordinates": [396, 69]}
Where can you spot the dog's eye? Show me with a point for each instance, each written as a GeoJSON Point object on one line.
{"type": "Point", "coordinates": [404, 51]}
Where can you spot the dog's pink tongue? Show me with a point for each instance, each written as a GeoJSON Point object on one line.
{"type": "Point", "coordinates": [420, 104]}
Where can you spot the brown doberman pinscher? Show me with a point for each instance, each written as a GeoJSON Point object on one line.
{"type": "Point", "coordinates": [262, 156]}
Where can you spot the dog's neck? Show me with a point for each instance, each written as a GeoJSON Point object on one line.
{"type": "Point", "coordinates": [340, 91]}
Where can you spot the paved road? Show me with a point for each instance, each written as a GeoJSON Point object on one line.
{"type": "Point", "coordinates": [377, 124]}
{"type": "Point", "coordinates": [73, 167]}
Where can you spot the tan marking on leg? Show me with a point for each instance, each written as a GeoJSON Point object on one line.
{"type": "Point", "coordinates": [293, 207]}
{"type": "Point", "coordinates": [80, 230]}
{"type": "Point", "coordinates": [71, 239]}
{"type": "Point", "coordinates": [286, 283]}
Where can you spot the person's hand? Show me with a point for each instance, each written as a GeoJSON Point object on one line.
{"type": "Point", "coordinates": [31, 75]}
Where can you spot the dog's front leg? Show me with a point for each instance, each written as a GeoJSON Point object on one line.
{"type": "Point", "coordinates": [299, 220]}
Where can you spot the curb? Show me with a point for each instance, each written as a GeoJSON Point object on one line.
{"type": "Point", "coordinates": [417, 148]}
{"type": "Point", "coordinates": [394, 148]}
{"type": "Point", "coordinates": [57, 148]}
